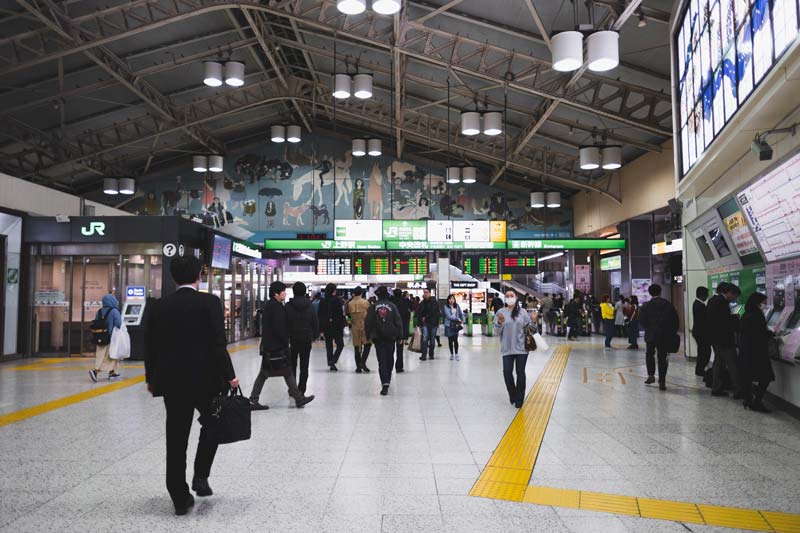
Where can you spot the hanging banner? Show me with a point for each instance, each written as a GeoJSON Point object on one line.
{"type": "Point", "coordinates": [583, 278]}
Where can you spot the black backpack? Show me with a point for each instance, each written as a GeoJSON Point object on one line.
{"type": "Point", "coordinates": [384, 321]}
{"type": "Point", "coordinates": [98, 328]}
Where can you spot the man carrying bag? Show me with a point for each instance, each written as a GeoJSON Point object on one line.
{"type": "Point", "coordinates": [275, 349]}
{"type": "Point", "coordinates": [187, 362]}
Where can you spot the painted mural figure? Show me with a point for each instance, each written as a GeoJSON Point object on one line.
{"type": "Point", "coordinates": [295, 212]}
{"type": "Point", "coordinates": [344, 185]}
{"type": "Point", "coordinates": [320, 212]}
{"type": "Point", "coordinates": [375, 193]}
{"type": "Point", "coordinates": [324, 167]}
{"type": "Point", "coordinates": [359, 199]}
{"type": "Point", "coordinates": [252, 166]}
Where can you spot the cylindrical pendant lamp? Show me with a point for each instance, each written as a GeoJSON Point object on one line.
{"type": "Point", "coordinates": [386, 7]}
{"type": "Point", "coordinates": [278, 133]}
{"type": "Point", "coordinates": [341, 86]}
{"type": "Point", "coordinates": [590, 157]}
{"type": "Point", "coordinates": [469, 175]}
{"type": "Point", "coordinates": [199, 163]}
{"type": "Point", "coordinates": [492, 123]}
{"type": "Point", "coordinates": [213, 73]}
{"type": "Point", "coordinates": [111, 186]}
{"type": "Point", "coordinates": [374, 147]}
{"type": "Point", "coordinates": [537, 200]}
{"type": "Point", "coordinates": [127, 186]}
{"type": "Point", "coordinates": [470, 123]}
{"type": "Point", "coordinates": [362, 86]}
{"type": "Point", "coordinates": [293, 133]}
{"type": "Point", "coordinates": [453, 174]}
{"type": "Point", "coordinates": [351, 7]}
{"type": "Point", "coordinates": [567, 47]}
{"type": "Point", "coordinates": [234, 73]}
{"type": "Point", "coordinates": [554, 199]}
{"type": "Point", "coordinates": [215, 163]}
{"type": "Point", "coordinates": [359, 147]}
{"type": "Point", "coordinates": [612, 157]}
{"type": "Point", "coordinates": [603, 50]}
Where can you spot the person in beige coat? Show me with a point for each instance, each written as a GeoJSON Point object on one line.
{"type": "Point", "coordinates": [357, 309]}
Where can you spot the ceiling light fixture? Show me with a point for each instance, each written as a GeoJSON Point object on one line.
{"type": "Point", "coordinates": [551, 256]}
{"type": "Point", "coordinates": [603, 50]}
{"type": "Point", "coordinates": [278, 133]}
{"type": "Point", "coordinates": [213, 73]}
{"type": "Point", "coordinates": [362, 86]}
{"type": "Point", "coordinates": [374, 147]}
{"type": "Point", "coordinates": [215, 163]}
{"type": "Point", "coordinates": [111, 186]}
{"type": "Point", "coordinates": [553, 199]}
{"type": "Point", "coordinates": [294, 133]}
{"type": "Point", "coordinates": [127, 186]}
{"type": "Point", "coordinates": [351, 7]}
{"type": "Point", "coordinates": [611, 157]}
{"type": "Point", "coordinates": [590, 157]}
{"type": "Point", "coordinates": [537, 200]}
{"type": "Point", "coordinates": [341, 86]}
{"type": "Point", "coordinates": [470, 123]}
{"type": "Point", "coordinates": [453, 175]}
{"type": "Point", "coordinates": [199, 163]}
{"type": "Point", "coordinates": [492, 123]}
{"type": "Point", "coordinates": [386, 7]}
{"type": "Point", "coordinates": [234, 73]}
{"type": "Point", "coordinates": [567, 47]}
{"type": "Point", "coordinates": [359, 147]}
{"type": "Point", "coordinates": [642, 21]}
{"type": "Point", "coordinates": [469, 175]}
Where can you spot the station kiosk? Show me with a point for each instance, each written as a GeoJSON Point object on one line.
{"type": "Point", "coordinates": [132, 313]}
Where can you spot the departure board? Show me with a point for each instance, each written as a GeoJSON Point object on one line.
{"type": "Point", "coordinates": [484, 265]}
{"type": "Point", "coordinates": [334, 265]}
{"type": "Point", "coordinates": [371, 264]}
{"type": "Point", "coordinates": [410, 264]}
{"type": "Point", "coordinates": [519, 264]}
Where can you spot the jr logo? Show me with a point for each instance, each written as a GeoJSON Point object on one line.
{"type": "Point", "coordinates": [95, 228]}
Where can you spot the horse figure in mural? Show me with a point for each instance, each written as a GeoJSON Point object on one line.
{"type": "Point", "coordinates": [375, 193]}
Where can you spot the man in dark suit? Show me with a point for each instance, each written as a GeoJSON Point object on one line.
{"type": "Point", "coordinates": [187, 362]}
{"type": "Point", "coordinates": [722, 326]}
{"type": "Point", "coordinates": [661, 323]}
{"type": "Point", "coordinates": [699, 331]}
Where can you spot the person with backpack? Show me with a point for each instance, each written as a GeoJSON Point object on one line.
{"type": "Point", "coordinates": [384, 326]}
{"type": "Point", "coordinates": [303, 330]}
{"type": "Point", "coordinates": [428, 314]}
{"type": "Point", "coordinates": [572, 315]}
{"type": "Point", "coordinates": [661, 323]}
{"type": "Point", "coordinates": [357, 309]}
{"type": "Point", "coordinates": [453, 323]}
{"type": "Point", "coordinates": [403, 304]}
{"type": "Point", "coordinates": [510, 323]}
{"type": "Point", "coordinates": [105, 321]}
{"type": "Point", "coordinates": [331, 320]}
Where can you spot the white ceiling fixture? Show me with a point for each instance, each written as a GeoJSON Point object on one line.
{"type": "Point", "coordinates": [611, 157]}
{"type": "Point", "coordinates": [603, 50]}
{"type": "Point", "coordinates": [470, 123]}
{"type": "Point", "coordinates": [567, 47]}
{"type": "Point", "coordinates": [453, 175]}
{"type": "Point", "coordinates": [359, 147]}
{"type": "Point", "coordinates": [213, 73]}
{"type": "Point", "coordinates": [200, 163]}
{"type": "Point", "coordinates": [342, 85]}
{"type": "Point", "coordinates": [386, 7]}
{"type": "Point", "coordinates": [278, 133]}
{"type": "Point", "coordinates": [111, 186]}
{"type": "Point", "coordinates": [234, 73]}
{"type": "Point", "coordinates": [215, 163]}
{"type": "Point", "coordinates": [362, 86]}
{"type": "Point", "coordinates": [590, 157]}
{"type": "Point", "coordinates": [294, 133]}
{"type": "Point", "coordinates": [553, 199]}
{"type": "Point", "coordinates": [469, 175]}
{"type": "Point", "coordinates": [551, 256]}
{"type": "Point", "coordinates": [351, 7]}
{"type": "Point", "coordinates": [374, 147]}
{"type": "Point", "coordinates": [127, 186]}
{"type": "Point", "coordinates": [492, 123]}
{"type": "Point", "coordinates": [642, 20]}
{"type": "Point", "coordinates": [537, 200]}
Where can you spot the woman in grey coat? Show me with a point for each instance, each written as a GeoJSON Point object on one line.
{"type": "Point", "coordinates": [510, 323]}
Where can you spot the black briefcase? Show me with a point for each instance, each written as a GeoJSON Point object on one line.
{"type": "Point", "coordinates": [229, 420]}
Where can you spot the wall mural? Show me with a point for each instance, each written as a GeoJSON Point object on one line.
{"type": "Point", "coordinates": [279, 190]}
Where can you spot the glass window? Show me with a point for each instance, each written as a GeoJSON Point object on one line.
{"type": "Point", "coordinates": [727, 23]}
{"type": "Point", "coordinates": [156, 273]}
{"type": "Point", "coordinates": [729, 85]}
{"type": "Point", "coordinates": [51, 298]}
{"type": "Point", "coordinates": [762, 39]}
{"type": "Point", "coordinates": [784, 16]}
{"type": "Point", "coordinates": [719, 108]}
{"type": "Point", "coordinates": [744, 61]}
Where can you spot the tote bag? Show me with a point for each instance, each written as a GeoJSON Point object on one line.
{"type": "Point", "coordinates": [416, 341]}
{"type": "Point", "coordinates": [120, 345]}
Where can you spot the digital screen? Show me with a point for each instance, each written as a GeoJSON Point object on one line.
{"type": "Point", "coordinates": [519, 264]}
{"type": "Point", "coordinates": [371, 264]}
{"type": "Point", "coordinates": [472, 230]}
{"type": "Point", "coordinates": [221, 252]}
{"type": "Point", "coordinates": [483, 265]}
{"type": "Point", "coordinates": [416, 265]}
{"type": "Point", "coordinates": [724, 48]}
{"type": "Point", "coordinates": [440, 230]}
{"type": "Point", "coordinates": [336, 265]}
{"type": "Point", "coordinates": [358, 230]}
{"type": "Point", "coordinates": [774, 318]}
{"type": "Point", "coordinates": [705, 249]}
{"type": "Point", "coordinates": [743, 239]}
{"type": "Point", "coordinates": [718, 239]}
{"type": "Point", "coordinates": [134, 309]}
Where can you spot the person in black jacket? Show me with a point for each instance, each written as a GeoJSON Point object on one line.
{"type": "Point", "coordinates": [187, 362]}
{"type": "Point", "coordinates": [753, 357]}
{"type": "Point", "coordinates": [699, 331]}
{"type": "Point", "coordinates": [275, 349]}
{"type": "Point", "coordinates": [721, 328]}
{"type": "Point", "coordinates": [332, 321]}
{"type": "Point", "coordinates": [383, 327]}
{"type": "Point", "coordinates": [403, 305]}
{"type": "Point", "coordinates": [572, 314]}
{"type": "Point", "coordinates": [428, 315]}
{"type": "Point", "coordinates": [661, 323]}
{"type": "Point", "coordinates": [303, 329]}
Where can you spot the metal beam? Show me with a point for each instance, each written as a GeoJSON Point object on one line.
{"type": "Point", "coordinates": [539, 24]}
{"type": "Point", "coordinates": [438, 11]}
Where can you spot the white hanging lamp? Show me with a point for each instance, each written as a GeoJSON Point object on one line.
{"type": "Point", "coordinates": [362, 86]}
{"type": "Point", "coordinates": [603, 50]}
{"type": "Point", "coordinates": [127, 186]}
{"type": "Point", "coordinates": [374, 147]}
{"type": "Point", "coordinates": [537, 200]}
{"type": "Point", "coordinates": [199, 163]}
{"type": "Point", "coordinates": [453, 174]}
{"type": "Point", "coordinates": [470, 123]}
{"type": "Point", "coordinates": [386, 7]}
{"type": "Point", "coordinates": [293, 133]}
{"type": "Point", "coordinates": [111, 186]}
{"type": "Point", "coordinates": [567, 47]}
{"type": "Point", "coordinates": [469, 175]}
{"type": "Point", "coordinates": [234, 73]}
{"type": "Point", "coordinates": [554, 199]}
{"type": "Point", "coordinates": [351, 7]}
{"type": "Point", "coordinates": [611, 157]}
{"type": "Point", "coordinates": [213, 73]}
{"type": "Point", "coordinates": [341, 86]}
{"type": "Point", "coordinates": [590, 157]}
{"type": "Point", "coordinates": [359, 147]}
{"type": "Point", "coordinates": [278, 133]}
{"type": "Point", "coordinates": [492, 123]}
{"type": "Point", "coordinates": [215, 163]}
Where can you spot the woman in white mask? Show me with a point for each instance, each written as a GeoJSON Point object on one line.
{"type": "Point", "coordinates": [510, 323]}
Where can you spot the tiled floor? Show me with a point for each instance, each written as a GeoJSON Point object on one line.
{"type": "Point", "coordinates": [355, 461]}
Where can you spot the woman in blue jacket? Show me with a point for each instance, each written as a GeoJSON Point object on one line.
{"type": "Point", "coordinates": [453, 318]}
{"type": "Point", "coordinates": [102, 362]}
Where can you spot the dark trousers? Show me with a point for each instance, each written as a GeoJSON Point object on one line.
{"type": "Point", "coordinates": [516, 391]}
{"type": "Point", "coordinates": [180, 413]}
{"type": "Point", "coordinates": [384, 351]}
{"type": "Point", "coordinates": [452, 343]}
{"type": "Point", "coordinates": [703, 356]}
{"type": "Point", "coordinates": [399, 363]}
{"type": "Point", "coordinates": [608, 330]}
{"type": "Point", "coordinates": [429, 340]}
{"type": "Point", "coordinates": [265, 372]}
{"type": "Point", "coordinates": [302, 351]}
{"type": "Point", "coordinates": [725, 361]}
{"type": "Point", "coordinates": [754, 392]}
{"type": "Point", "coordinates": [650, 354]}
{"type": "Point", "coordinates": [360, 354]}
{"type": "Point", "coordinates": [330, 337]}
{"type": "Point", "coordinates": [633, 333]}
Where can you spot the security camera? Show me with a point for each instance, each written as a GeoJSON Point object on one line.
{"type": "Point", "coordinates": [761, 148]}
{"type": "Point", "coordinates": [62, 219]}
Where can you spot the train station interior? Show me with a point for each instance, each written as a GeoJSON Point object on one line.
{"type": "Point", "coordinates": [521, 265]}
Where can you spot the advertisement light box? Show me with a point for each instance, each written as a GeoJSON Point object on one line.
{"type": "Point", "coordinates": [362, 230]}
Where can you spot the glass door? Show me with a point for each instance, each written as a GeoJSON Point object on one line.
{"type": "Point", "coordinates": [93, 278]}
{"type": "Point", "coordinates": [52, 298]}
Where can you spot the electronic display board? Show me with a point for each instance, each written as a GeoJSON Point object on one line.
{"type": "Point", "coordinates": [371, 264]}
{"type": "Point", "coordinates": [334, 265]}
{"type": "Point", "coordinates": [362, 230]}
{"type": "Point", "coordinates": [518, 264]}
{"type": "Point", "coordinates": [416, 265]}
{"type": "Point", "coordinates": [481, 265]}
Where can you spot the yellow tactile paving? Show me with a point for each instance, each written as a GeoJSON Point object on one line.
{"type": "Point", "coordinates": [508, 471]}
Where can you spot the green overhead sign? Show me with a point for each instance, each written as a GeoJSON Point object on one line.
{"type": "Point", "coordinates": [444, 245]}
{"type": "Point", "coordinates": [399, 243]}
{"type": "Point", "coordinates": [611, 263]}
{"type": "Point", "coordinates": [568, 244]}
{"type": "Point", "coordinates": [323, 245]}
{"type": "Point", "coordinates": [405, 230]}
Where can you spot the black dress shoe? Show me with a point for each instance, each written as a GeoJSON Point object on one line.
{"type": "Point", "coordinates": [384, 390]}
{"type": "Point", "coordinates": [662, 386]}
{"type": "Point", "coordinates": [423, 358]}
{"type": "Point", "coordinates": [333, 368]}
{"type": "Point", "coordinates": [255, 406]}
{"type": "Point", "coordinates": [365, 369]}
{"type": "Point", "coordinates": [358, 370]}
{"type": "Point", "coordinates": [399, 370]}
{"type": "Point", "coordinates": [201, 487]}
{"type": "Point", "coordinates": [649, 380]}
{"type": "Point", "coordinates": [518, 404]}
{"type": "Point", "coordinates": [304, 400]}
{"type": "Point", "coordinates": [181, 510]}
